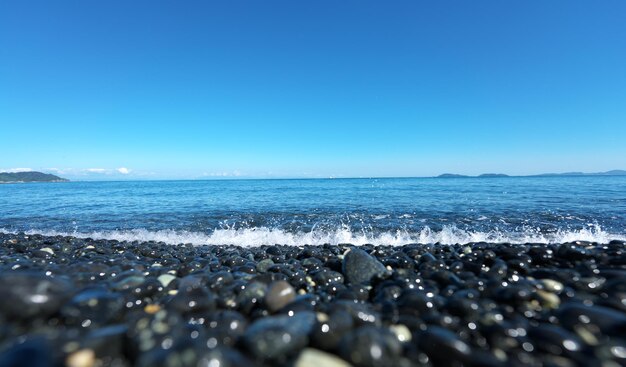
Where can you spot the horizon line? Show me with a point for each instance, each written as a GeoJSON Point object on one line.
{"type": "Point", "coordinates": [446, 175]}
{"type": "Point", "coordinates": [504, 176]}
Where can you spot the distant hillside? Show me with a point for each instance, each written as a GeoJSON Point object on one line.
{"type": "Point", "coordinates": [615, 172]}
{"type": "Point", "coordinates": [32, 176]}
{"type": "Point", "coordinates": [493, 175]}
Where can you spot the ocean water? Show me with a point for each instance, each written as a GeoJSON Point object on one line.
{"type": "Point", "coordinates": [389, 211]}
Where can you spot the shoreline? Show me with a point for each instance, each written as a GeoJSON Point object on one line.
{"type": "Point", "coordinates": [111, 303]}
{"type": "Point", "coordinates": [266, 236]}
{"type": "Point", "coordinates": [27, 182]}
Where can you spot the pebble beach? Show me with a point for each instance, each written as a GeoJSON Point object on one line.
{"type": "Point", "coordinates": [312, 184]}
{"type": "Point", "coordinates": [85, 303]}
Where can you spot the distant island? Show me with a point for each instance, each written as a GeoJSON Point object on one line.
{"type": "Point", "coordinates": [31, 176]}
{"type": "Point", "coordinates": [493, 175]}
{"type": "Point", "coordinates": [615, 172]}
{"type": "Point", "coordinates": [451, 175]}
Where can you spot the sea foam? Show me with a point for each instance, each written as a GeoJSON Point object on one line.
{"type": "Point", "coordinates": [257, 236]}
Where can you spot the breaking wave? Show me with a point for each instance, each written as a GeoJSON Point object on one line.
{"type": "Point", "coordinates": [257, 236]}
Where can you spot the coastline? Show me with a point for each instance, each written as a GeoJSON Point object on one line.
{"type": "Point", "coordinates": [146, 303]}
{"type": "Point", "coordinates": [26, 182]}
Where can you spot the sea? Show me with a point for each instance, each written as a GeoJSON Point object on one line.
{"type": "Point", "coordinates": [379, 211]}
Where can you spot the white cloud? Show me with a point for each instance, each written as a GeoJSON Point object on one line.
{"type": "Point", "coordinates": [58, 171]}
{"type": "Point", "coordinates": [85, 173]}
{"type": "Point", "coordinates": [235, 173]}
{"type": "Point", "coordinates": [16, 170]}
{"type": "Point", "coordinates": [90, 171]}
{"type": "Point", "coordinates": [97, 170]}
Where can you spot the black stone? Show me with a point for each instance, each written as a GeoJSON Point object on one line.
{"type": "Point", "coordinates": [96, 306]}
{"type": "Point", "coordinates": [277, 337]}
{"type": "Point", "coordinates": [32, 353]}
{"type": "Point", "coordinates": [370, 346]}
{"type": "Point", "coordinates": [359, 267]}
{"type": "Point", "coordinates": [28, 295]}
{"type": "Point", "coordinates": [443, 346]}
{"type": "Point", "coordinates": [328, 333]}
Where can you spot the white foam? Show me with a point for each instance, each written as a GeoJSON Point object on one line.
{"type": "Point", "coordinates": [268, 236]}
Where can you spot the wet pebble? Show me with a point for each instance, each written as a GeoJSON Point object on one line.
{"type": "Point", "coordinates": [277, 337]}
{"type": "Point", "coordinates": [28, 295]}
{"type": "Point", "coordinates": [310, 357]}
{"type": "Point", "coordinates": [371, 346]}
{"type": "Point", "coordinates": [359, 267]}
{"type": "Point", "coordinates": [118, 304]}
{"type": "Point", "coordinates": [32, 353]}
{"type": "Point", "coordinates": [330, 329]}
{"type": "Point", "coordinates": [95, 306]}
{"type": "Point", "coordinates": [278, 295]}
{"type": "Point", "coordinates": [193, 301]}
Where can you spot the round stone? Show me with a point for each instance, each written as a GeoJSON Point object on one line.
{"type": "Point", "coordinates": [359, 267]}
{"type": "Point", "coordinates": [81, 358]}
{"type": "Point", "coordinates": [31, 295]}
{"type": "Point", "coordinates": [277, 337]}
{"type": "Point", "coordinates": [371, 346]}
{"type": "Point", "coordinates": [310, 357]}
{"type": "Point", "coordinates": [279, 294]}
{"type": "Point", "coordinates": [166, 279]}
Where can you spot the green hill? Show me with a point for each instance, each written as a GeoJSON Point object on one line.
{"type": "Point", "coordinates": [32, 176]}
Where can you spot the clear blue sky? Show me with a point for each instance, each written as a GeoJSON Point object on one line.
{"type": "Point", "coordinates": [183, 89]}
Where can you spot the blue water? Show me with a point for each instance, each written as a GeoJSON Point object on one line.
{"type": "Point", "coordinates": [297, 212]}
